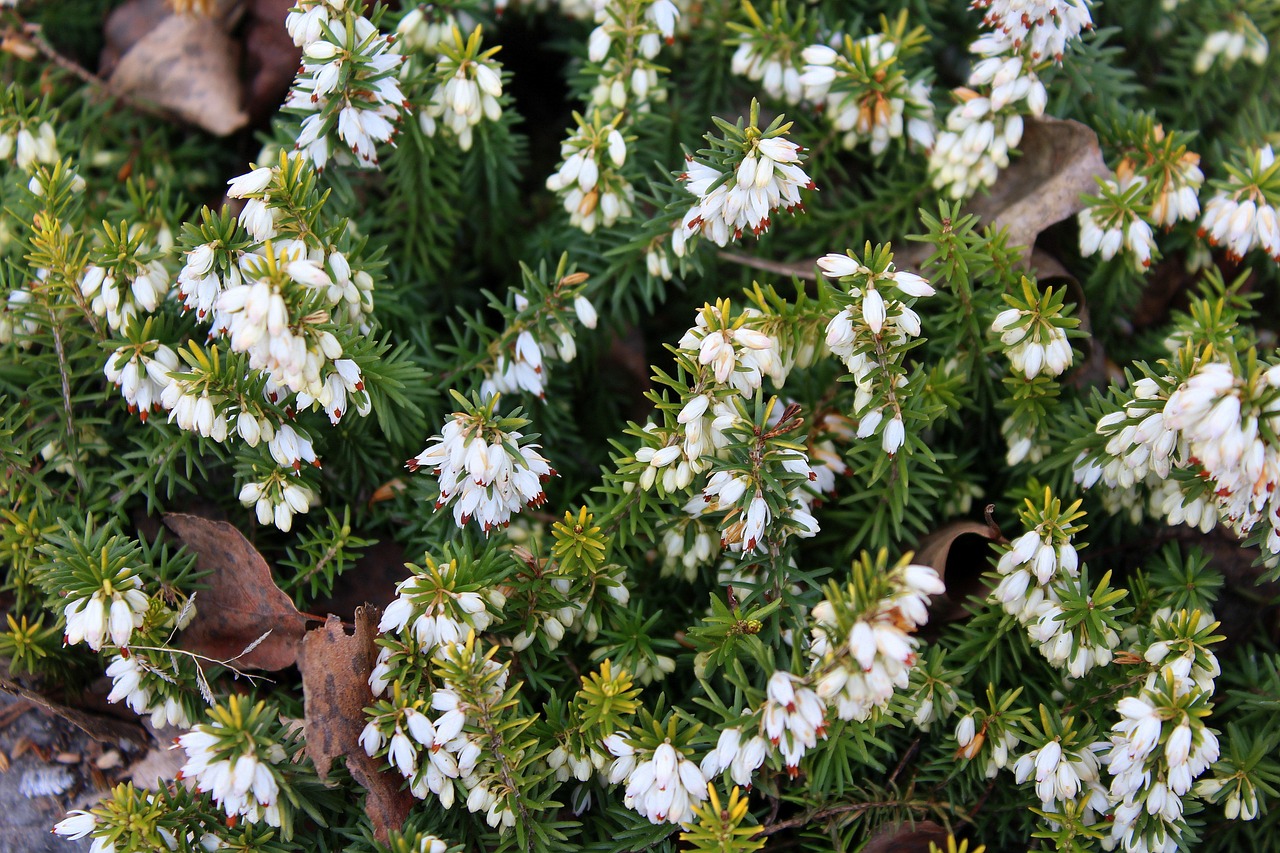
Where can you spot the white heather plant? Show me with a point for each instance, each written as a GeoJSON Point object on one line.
{"type": "Point", "coordinates": [722, 529]}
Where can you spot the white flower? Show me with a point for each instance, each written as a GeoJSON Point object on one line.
{"type": "Point", "coordinates": [1242, 217]}
{"type": "Point", "coordinates": [793, 719]}
{"type": "Point", "coordinates": [466, 95]}
{"type": "Point", "coordinates": [663, 787]}
{"type": "Point", "coordinates": [104, 615]}
{"type": "Point", "coordinates": [480, 475]}
{"type": "Point", "coordinates": [76, 825]}
{"type": "Point", "coordinates": [368, 105]}
{"type": "Point", "coordinates": [243, 784]}
{"type": "Point", "coordinates": [767, 178]}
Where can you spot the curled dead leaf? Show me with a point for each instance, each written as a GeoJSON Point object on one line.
{"type": "Point", "coordinates": [958, 551]}
{"type": "Point", "coordinates": [387, 490]}
{"type": "Point", "coordinates": [242, 602]}
{"type": "Point", "coordinates": [188, 66]}
{"type": "Point", "coordinates": [335, 669]}
{"type": "Point", "coordinates": [1059, 163]}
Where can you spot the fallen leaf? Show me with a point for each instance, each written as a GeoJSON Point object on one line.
{"type": "Point", "coordinates": [189, 66]}
{"type": "Point", "coordinates": [335, 669]}
{"type": "Point", "coordinates": [1060, 159]}
{"type": "Point", "coordinates": [958, 552]}
{"type": "Point", "coordinates": [242, 602]}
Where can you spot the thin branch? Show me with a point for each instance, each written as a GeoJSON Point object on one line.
{"type": "Point", "coordinates": [72, 443]}
{"type": "Point", "coordinates": [803, 272]}
{"type": "Point", "coordinates": [33, 35]}
{"type": "Point", "coordinates": [846, 808]}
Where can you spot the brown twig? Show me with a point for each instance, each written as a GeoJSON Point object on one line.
{"type": "Point", "coordinates": [802, 272]}
{"type": "Point", "coordinates": [100, 729]}
{"type": "Point", "coordinates": [33, 35]}
{"type": "Point", "coordinates": [846, 808]}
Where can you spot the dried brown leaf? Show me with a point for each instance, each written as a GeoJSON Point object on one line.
{"type": "Point", "coordinates": [242, 601]}
{"type": "Point", "coordinates": [1060, 159]}
{"type": "Point", "coordinates": [957, 551]}
{"type": "Point", "coordinates": [335, 670]}
{"type": "Point", "coordinates": [188, 66]}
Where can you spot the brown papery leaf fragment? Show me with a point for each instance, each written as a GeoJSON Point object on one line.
{"type": "Point", "coordinates": [242, 601]}
{"type": "Point", "coordinates": [189, 66]}
{"type": "Point", "coordinates": [335, 670]}
{"type": "Point", "coordinates": [958, 552]}
{"type": "Point", "coordinates": [1059, 162]}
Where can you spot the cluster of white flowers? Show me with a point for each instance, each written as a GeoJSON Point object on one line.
{"type": "Point", "coordinates": [1112, 222]}
{"type": "Point", "coordinates": [435, 752]}
{"type": "Point", "coordinates": [994, 731]}
{"type": "Point", "coordinates": [1023, 443]}
{"type": "Point", "coordinates": [244, 781]}
{"type": "Point", "coordinates": [520, 367]}
{"type": "Point", "coordinates": [1033, 345]}
{"type": "Point", "coordinates": [429, 606]}
{"type": "Point", "coordinates": [772, 62]}
{"type": "Point", "coordinates": [129, 681]}
{"type": "Point", "coordinates": [741, 759]}
{"type": "Point", "coordinates": [29, 147]}
{"type": "Point", "coordinates": [1041, 28]}
{"type": "Point", "coordinates": [16, 322]}
{"type": "Point", "coordinates": [1063, 775]}
{"type": "Point", "coordinates": [704, 420]}
{"type": "Point", "coordinates": [987, 124]}
{"type": "Point", "coordinates": [1072, 648]}
{"type": "Point", "coordinates": [1227, 47]}
{"type": "Point", "coordinates": [277, 499]}
{"type": "Point", "coordinates": [793, 718]}
{"type": "Point", "coordinates": [425, 28]}
{"type": "Point", "coordinates": [768, 177]}
{"type": "Point", "coordinates": [1213, 423]}
{"type": "Point", "coordinates": [1176, 189]}
{"type": "Point", "coordinates": [623, 46]}
{"type": "Point", "coordinates": [467, 91]}
{"type": "Point", "coordinates": [879, 318]}
{"type": "Point", "coordinates": [1036, 570]}
{"type": "Point", "coordinates": [347, 83]}
{"type": "Point", "coordinates": [112, 612]}
{"type": "Point", "coordinates": [748, 518]}
{"type": "Point", "coordinates": [121, 294]}
{"type": "Point", "coordinates": [255, 305]}
{"type": "Point", "coordinates": [867, 95]}
{"type": "Point", "coordinates": [858, 670]}
{"type": "Point", "coordinates": [485, 472]}
{"type": "Point", "coordinates": [1242, 215]}
{"type": "Point", "coordinates": [141, 372]}
{"type": "Point", "coordinates": [738, 355]}
{"type": "Point", "coordinates": [1160, 745]}
{"type": "Point", "coordinates": [589, 180]}
{"type": "Point", "coordinates": [1031, 564]}
{"type": "Point", "coordinates": [663, 783]}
